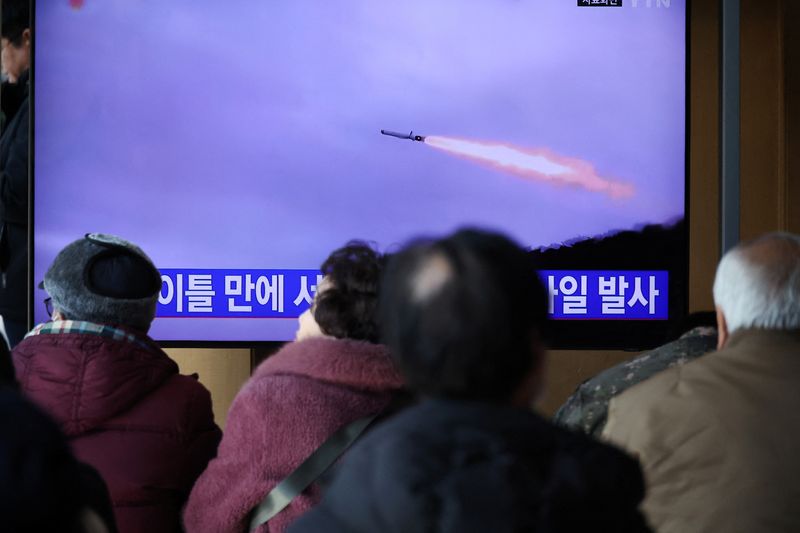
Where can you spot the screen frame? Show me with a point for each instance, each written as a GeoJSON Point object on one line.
{"type": "Point", "coordinates": [645, 337]}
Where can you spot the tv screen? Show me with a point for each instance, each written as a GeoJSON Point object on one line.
{"type": "Point", "coordinates": [240, 142]}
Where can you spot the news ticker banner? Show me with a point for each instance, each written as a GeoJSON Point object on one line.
{"type": "Point", "coordinates": [573, 294]}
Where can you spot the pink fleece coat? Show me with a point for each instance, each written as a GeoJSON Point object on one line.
{"type": "Point", "coordinates": [126, 411]}
{"type": "Point", "coordinates": [294, 401]}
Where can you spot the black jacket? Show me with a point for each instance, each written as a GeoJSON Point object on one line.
{"type": "Point", "coordinates": [14, 212]}
{"type": "Point", "coordinates": [42, 486]}
{"type": "Point", "coordinates": [455, 467]}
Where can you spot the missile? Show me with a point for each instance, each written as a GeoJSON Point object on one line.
{"type": "Point", "coordinates": [410, 136]}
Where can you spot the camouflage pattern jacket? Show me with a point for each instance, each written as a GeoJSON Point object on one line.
{"type": "Point", "coordinates": [587, 408]}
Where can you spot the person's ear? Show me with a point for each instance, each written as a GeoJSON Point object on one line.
{"type": "Point", "coordinates": [722, 329]}
{"type": "Point", "coordinates": [26, 37]}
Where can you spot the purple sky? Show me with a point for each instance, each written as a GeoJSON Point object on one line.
{"type": "Point", "coordinates": [244, 134]}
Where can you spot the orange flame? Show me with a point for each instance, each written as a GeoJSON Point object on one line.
{"type": "Point", "coordinates": [538, 164]}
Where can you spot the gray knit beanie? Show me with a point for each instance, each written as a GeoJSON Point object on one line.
{"type": "Point", "coordinates": [106, 280]}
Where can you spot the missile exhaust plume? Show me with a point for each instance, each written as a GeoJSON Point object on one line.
{"type": "Point", "coordinates": [539, 164]}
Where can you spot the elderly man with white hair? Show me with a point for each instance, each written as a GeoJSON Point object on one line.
{"type": "Point", "coordinates": [719, 438]}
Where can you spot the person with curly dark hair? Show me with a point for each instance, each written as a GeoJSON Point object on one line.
{"type": "Point", "coordinates": [334, 374]}
{"type": "Point", "coordinates": [346, 308]}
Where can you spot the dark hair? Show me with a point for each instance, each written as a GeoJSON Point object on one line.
{"type": "Point", "coordinates": [462, 314]}
{"type": "Point", "coordinates": [16, 19]}
{"type": "Point", "coordinates": [347, 309]}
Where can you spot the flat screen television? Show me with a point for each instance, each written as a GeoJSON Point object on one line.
{"type": "Point", "coordinates": [240, 142]}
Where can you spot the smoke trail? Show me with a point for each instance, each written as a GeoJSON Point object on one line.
{"type": "Point", "coordinates": [538, 164]}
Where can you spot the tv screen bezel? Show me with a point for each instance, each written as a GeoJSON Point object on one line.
{"type": "Point", "coordinates": [646, 334]}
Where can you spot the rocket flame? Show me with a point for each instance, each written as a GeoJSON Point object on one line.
{"type": "Point", "coordinates": [538, 164]}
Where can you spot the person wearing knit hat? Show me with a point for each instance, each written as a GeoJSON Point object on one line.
{"type": "Point", "coordinates": [104, 279]}
{"type": "Point", "coordinates": [115, 394]}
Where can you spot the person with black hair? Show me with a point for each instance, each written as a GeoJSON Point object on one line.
{"type": "Point", "coordinates": [119, 399]}
{"type": "Point", "coordinates": [335, 374]}
{"type": "Point", "coordinates": [464, 317]}
{"type": "Point", "coordinates": [16, 60]}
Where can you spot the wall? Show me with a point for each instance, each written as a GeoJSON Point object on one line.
{"type": "Point", "coordinates": [222, 371]}
{"type": "Point", "coordinates": [763, 157]}
{"type": "Point", "coordinates": [791, 65]}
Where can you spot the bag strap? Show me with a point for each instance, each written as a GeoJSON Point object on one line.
{"type": "Point", "coordinates": [309, 470]}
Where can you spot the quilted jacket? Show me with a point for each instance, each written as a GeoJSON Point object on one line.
{"type": "Point", "coordinates": [127, 412]}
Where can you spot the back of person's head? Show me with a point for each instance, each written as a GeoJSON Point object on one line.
{"type": "Point", "coordinates": [104, 279]}
{"type": "Point", "coordinates": [16, 19]}
{"type": "Point", "coordinates": [464, 315]}
{"type": "Point", "coordinates": [758, 284]}
{"type": "Point", "coordinates": [39, 478]}
{"type": "Point", "coordinates": [346, 307]}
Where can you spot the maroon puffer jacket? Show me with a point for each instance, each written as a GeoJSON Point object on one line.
{"type": "Point", "coordinates": [127, 412]}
